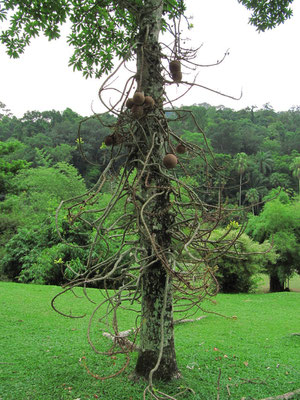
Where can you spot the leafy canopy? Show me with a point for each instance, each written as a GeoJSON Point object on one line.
{"type": "Point", "coordinates": [100, 30]}
{"type": "Point", "coordinates": [268, 13]}
{"type": "Point", "coordinates": [103, 29]}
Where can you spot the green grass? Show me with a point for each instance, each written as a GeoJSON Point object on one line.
{"type": "Point", "coordinates": [255, 353]}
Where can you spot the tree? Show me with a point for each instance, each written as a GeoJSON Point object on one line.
{"type": "Point", "coordinates": [238, 268]}
{"type": "Point", "coordinates": [252, 196]}
{"type": "Point", "coordinates": [4, 111]}
{"type": "Point", "coordinates": [279, 223]}
{"type": "Point", "coordinates": [167, 236]}
{"type": "Point", "coordinates": [266, 14]}
{"type": "Point", "coordinates": [9, 168]}
{"type": "Point", "coordinates": [241, 162]}
{"type": "Point", "coordinates": [265, 161]}
{"type": "Point", "coordinates": [295, 167]}
{"type": "Point", "coordinates": [29, 207]}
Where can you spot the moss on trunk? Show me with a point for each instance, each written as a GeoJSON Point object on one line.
{"type": "Point", "coordinates": [157, 335]}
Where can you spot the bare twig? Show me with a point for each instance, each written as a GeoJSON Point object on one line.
{"type": "Point", "coordinates": [218, 384]}
{"type": "Point", "coordinates": [285, 396]}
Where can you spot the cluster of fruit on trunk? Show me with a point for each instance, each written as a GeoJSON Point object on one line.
{"type": "Point", "coordinates": [139, 105]}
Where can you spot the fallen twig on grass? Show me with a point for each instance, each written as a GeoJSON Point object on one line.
{"type": "Point", "coordinates": [285, 396]}
{"type": "Point", "coordinates": [228, 390]}
{"type": "Point", "coordinates": [218, 388]}
{"type": "Point", "coordinates": [183, 321]}
{"type": "Point", "coordinates": [253, 381]}
{"type": "Point", "coordinates": [121, 339]}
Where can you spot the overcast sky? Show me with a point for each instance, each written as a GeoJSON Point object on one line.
{"type": "Point", "coordinates": [265, 66]}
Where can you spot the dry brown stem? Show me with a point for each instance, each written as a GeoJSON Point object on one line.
{"type": "Point", "coordinates": [286, 396]}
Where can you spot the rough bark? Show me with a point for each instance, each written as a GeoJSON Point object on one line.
{"type": "Point", "coordinates": [157, 327]}
{"type": "Point", "coordinates": [157, 349]}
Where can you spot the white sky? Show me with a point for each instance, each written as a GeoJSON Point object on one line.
{"type": "Point", "coordinates": [265, 66]}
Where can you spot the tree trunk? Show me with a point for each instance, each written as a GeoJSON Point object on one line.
{"type": "Point", "coordinates": [157, 351]}
{"type": "Point", "coordinates": [275, 284]}
{"type": "Point", "coordinates": [240, 192]}
{"type": "Point", "coordinates": [156, 336]}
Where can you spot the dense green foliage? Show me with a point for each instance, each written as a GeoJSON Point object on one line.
{"type": "Point", "coordinates": [101, 31]}
{"type": "Point", "coordinates": [263, 155]}
{"type": "Point", "coordinates": [256, 149]}
{"type": "Point", "coordinates": [266, 14]}
{"type": "Point", "coordinates": [49, 137]}
{"type": "Point", "coordinates": [279, 222]}
{"type": "Point", "coordinates": [98, 32]}
{"type": "Point", "coordinates": [34, 245]}
{"type": "Point", "coordinates": [9, 168]}
{"type": "Point", "coordinates": [238, 268]}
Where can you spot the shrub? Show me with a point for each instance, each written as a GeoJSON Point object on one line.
{"type": "Point", "coordinates": [238, 268]}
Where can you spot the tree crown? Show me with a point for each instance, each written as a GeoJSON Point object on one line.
{"type": "Point", "coordinates": [103, 29]}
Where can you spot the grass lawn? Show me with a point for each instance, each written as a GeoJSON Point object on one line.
{"type": "Point", "coordinates": [253, 356]}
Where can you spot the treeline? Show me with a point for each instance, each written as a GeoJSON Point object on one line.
{"type": "Point", "coordinates": [51, 136]}
{"type": "Point", "coordinates": [259, 150]}
{"type": "Point", "coordinates": [255, 155]}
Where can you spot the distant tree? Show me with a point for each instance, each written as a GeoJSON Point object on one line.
{"type": "Point", "coordinates": [238, 268]}
{"type": "Point", "coordinates": [295, 167]}
{"type": "Point", "coordinates": [4, 111]}
{"type": "Point", "coordinates": [279, 179]}
{"type": "Point", "coordinates": [241, 162]}
{"type": "Point", "coordinates": [279, 223]}
{"type": "Point", "coordinates": [62, 153]}
{"type": "Point", "coordinates": [28, 221]}
{"type": "Point", "coordinates": [224, 136]}
{"type": "Point", "coordinates": [265, 161]}
{"type": "Point", "coordinates": [252, 196]}
{"type": "Point", "coordinates": [36, 192]}
{"type": "Point", "coordinates": [42, 159]}
{"type": "Point", "coordinates": [9, 168]}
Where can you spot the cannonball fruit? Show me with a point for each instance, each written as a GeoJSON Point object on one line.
{"type": "Point", "coordinates": [177, 76]}
{"type": "Point", "coordinates": [137, 111]}
{"type": "Point", "coordinates": [109, 140]}
{"type": "Point", "coordinates": [138, 98]}
{"type": "Point", "coordinates": [180, 149]}
{"type": "Point", "coordinates": [170, 161]}
{"type": "Point", "coordinates": [118, 139]}
{"type": "Point", "coordinates": [129, 103]}
{"type": "Point", "coordinates": [149, 102]}
{"type": "Point", "coordinates": [175, 66]}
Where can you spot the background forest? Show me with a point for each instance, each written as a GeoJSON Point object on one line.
{"type": "Point", "coordinates": [43, 161]}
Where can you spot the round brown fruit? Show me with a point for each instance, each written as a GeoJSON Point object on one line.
{"type": "Point", "coordinates": [149, 102]}
{"type": "Point", "coordinates": [137, 111]}
{"type": "Point", "coordinates": [138, 98]}
{"type": "Point", "coordinates": [177, 76]}
{"type": "Point", "coordinates": [129, 103]}
{"type": "Point", "coordinates": [109, 140]}
{"type": "Point", "coordinates": [180, 149]}
{"type": "Point", "coordinates": [175, 66]}
{"type": "Point", "coordinates": [170, 161]}
{"type": "Point", "coordinates": [118, 139]}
